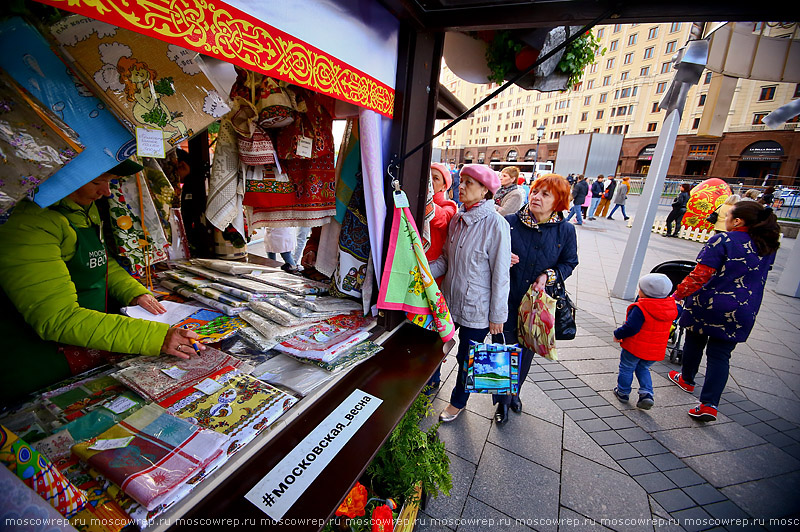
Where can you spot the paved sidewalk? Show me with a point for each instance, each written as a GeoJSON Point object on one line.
{"type": "Point", "coordinates": [577, 459]}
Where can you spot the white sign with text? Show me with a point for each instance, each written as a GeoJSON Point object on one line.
{"type": "Point", "coordinates": [280, 488]}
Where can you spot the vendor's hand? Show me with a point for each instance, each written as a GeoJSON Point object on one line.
{"type": "Point", "coordinates": [180, 342]}
{"type": "Point", "coordinates": [149, 303]}
{"type": "Point", "coordinates": [540, 282]}
{"type": "Point", "coordinates": [495, 328]}
{"type": "Point", "coordinates": [514, 259]}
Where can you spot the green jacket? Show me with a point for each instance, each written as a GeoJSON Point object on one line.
{"type": "Point", "coordinates": [35, 245]}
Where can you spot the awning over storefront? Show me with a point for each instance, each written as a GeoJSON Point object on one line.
{"type": "Point", "coordinates": [646, 154]}
{"type": "Point", "coordinates": [345, 50]}
{"type": "Point", "coordinates": [763, 150]}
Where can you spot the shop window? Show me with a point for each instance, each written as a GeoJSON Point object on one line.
{"type": "Point", "coordinates": [696, 123]}
{"type": "Point", "coordinates": [702, 150]}
{"type": "Point", "coordinates": [661, 87]}
{"type": "Point", "coordinates": [645, 71]}
{"type": "Point", "coordinates": [702, 100]}
{"type": "Point", "coordinates": [670, 49]}
{"type": "Point", "coordinates": [632, 39]}
{"type": "Point", "coordinates": [652, 126]}
{"type": "Point", "coordinates": [758, 117]}
{"type": "Point", "coordinates": [653, 33]}
{"type": "Point", "coordinates": [665, 67]}
{"type": "Point", "coordinates": [612, 47]}
{"type": "Point", "coordinates": [767, 93]}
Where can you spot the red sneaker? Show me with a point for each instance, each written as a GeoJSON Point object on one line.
{"type": "Point", "coordinates": [703, 413]}
{"type": "Point", "coordinates": [677, 378]}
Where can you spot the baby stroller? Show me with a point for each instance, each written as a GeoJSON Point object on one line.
{"type": "Point", "coordinates": [676, 270]}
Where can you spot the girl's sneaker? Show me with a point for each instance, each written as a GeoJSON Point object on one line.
{"type": "Point", "coordinates": [677, 378]}
{"type": "Point", "coordinates": [645, 402]}
{"type": "Point", "coordinates": [703, 412]}
{"type": "Point", "coordinates": [621, 396]}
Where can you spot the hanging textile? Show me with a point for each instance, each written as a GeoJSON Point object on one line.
{"type": "Point", "coordinates": [162, 452]}
{"type": "Point", "coordinates": [226, 184]}
{"type": "Point", "coordinates": [135, 224]}
{"type": "Point", "coordinates": [39, 474]}
{"type": "Point", "coordinates": [162, 191]}
{"type": "Point", "coordinates": [351, 270]}
{"type": "Point", "coordinates": [238, 406]}
{"type": "Point", "coordinates": [34, 143]}
{"type": "Point", "coordinates": [407, 283]}
{"type": "Point", "coordinates": [371, 129]}
{"type": "Point", "coordinates": [348, 167]}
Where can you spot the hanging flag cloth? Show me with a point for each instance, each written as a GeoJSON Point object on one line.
{"type": "Point", "coordinates": [406, 283]}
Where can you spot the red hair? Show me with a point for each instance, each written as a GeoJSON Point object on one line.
{"type": "Point", "coordinates": [557, 186]}
{"type": "Point", "coordinates": [124, 66]}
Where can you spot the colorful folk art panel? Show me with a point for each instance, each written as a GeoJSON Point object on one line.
{"type": "Point", "coordinates": [163, 452]}
{"type": "Point", "coordinates": [407, 283]}
{"type": "Point", "coordinates": [212, 325]}
{"type": "Point", "coordinates": [39, 474]}
{"type": "Point", "coordinates": [241, 407]}
{"type": "Point", "coordinates": [703, 200]}
{"type": "Point", "coordinates": [148, 82]}
{"type": "Point", "coordinates": [102, 514]}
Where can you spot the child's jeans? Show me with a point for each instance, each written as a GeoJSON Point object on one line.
{"type": "Point", "coordinates": [630, 364]}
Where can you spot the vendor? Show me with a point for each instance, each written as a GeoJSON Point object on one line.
{"type": "Point", "coordinates": [55, 279]}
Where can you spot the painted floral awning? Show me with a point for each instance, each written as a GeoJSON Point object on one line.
{"type": "Point", "coordinates": [221, 30]}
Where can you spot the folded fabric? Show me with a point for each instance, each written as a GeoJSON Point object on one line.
{"type": "Point", "coordinates": [358, 354]}
{"type": "Point", "coordinates": [299, 310]}
{"type": "Point", "coordinates": [212, 325]}
{"type": "Point", "coordinates": [102, 514]}
{"type": "Point", "coordinates": [159, 377]}
{"type": "Point", "coordinates": [187, 278]}
{"type": "Point", "coordinates": [254, 340]}
{"type": "Point", "coordinates": [20, 503]}
{"type": "Point", "coordinates": [244, 295]}
{"type": "Point", "coordinates": [292, 283]}
{"type": "Point", "coordinates": [325, 303]}
{"type": "Point", "coordinates": [162, 452]}
{"type": "Point", "coordinates": [233, 267]}
{"type": "Point", "coordinates": [280, 316]}
{"type": "Point", "coordinates": [39, 474]}
{"type": "Point", "coordinates": [288, 372]}
{"type": "Point", "coordinates": [234, 404]}
{"type": "Point", "coordinates": [272, 332]}
{"type": "Point", "coordinates": [327, 340]}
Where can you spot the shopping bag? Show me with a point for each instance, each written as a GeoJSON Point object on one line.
{"type": "Point", "coordinates": [492, 368]}
{"type": "Point", "coordinates": [536, 323]}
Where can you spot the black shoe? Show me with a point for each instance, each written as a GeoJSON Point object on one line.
{"type": "Point", "coordinates": [609, 218]}
{"type": "Point", "coordinates": [516, 404]}
{"type": "Point", "coordinates": [501, 414]}
{"type": "Point", "coordinates": [627, 218]}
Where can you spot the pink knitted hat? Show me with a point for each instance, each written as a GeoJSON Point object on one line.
{"type": "Point", "coordinates": [483, 175]}
{"type": "Point", "coordinates": [448, 177]}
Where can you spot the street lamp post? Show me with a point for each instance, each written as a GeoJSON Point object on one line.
{"type": "Point", "coordinates": [447, 151]}
{"type": "Point", "coordinates": [539, 135]}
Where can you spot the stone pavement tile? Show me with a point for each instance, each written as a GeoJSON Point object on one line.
{"type": "Point", "coordinates": [426, 523]}
{"type": "Point", "coordinates": [479, 517]}
{"type": "Point", "coordinates": [633, 434]}
{"type": "Point", "coordinates": [704, 439]}
{"type": "Point", "coordinates": [650, 447]}
{"type": "Point", "coordinates": [785, 408]}
{"type": "Point", "coordinates": [607, 437]}
{"type": "Point", "coordinates": [562, 374]}
{"type": "Point", "coordinates": [582, 391]}
{"type": "Point", "coordinates": [745, 359]}
{"type": "Point", "coordinates": [546, 385]}
{"type": "Point", "coordinates": [793, 433]}
{"type": "Point", "coordinates": [569, 404]}
{"type": "Point", "coordinates": [531, 438]}
{"type": "Point", "coordinates": [774, 497]}
{"type": "Point", "coordinates": [594, 400]}
{"type": "Point", "coordinates": [523, 489]}
{"type": "Point", "coordinates": [779, 440]}
{"type": "Point", "coordinates": [693, 519]}
{"type": "Point", "coordinates": [622, 424]}
{"type": "Point", "coordinates": [537, 404]}
{"type": "Point", "coordinates": [665, 461]}
{"type": "Point", "coordinates": [791, 380]}
{"type": "Point", "coordinates": [781, 363]}
{"type": "Point", "coordinates": [637, 466]}
{"type": "Point", "coordinates": [792, 450]}
{"type": "Point", "coordinates": [576, 440]}
{"type": "Point", "coordinates": [582, 414]}
{"type": "Point", "coordinates": [586, 486]}
{"type": "Point", "coordinates": [662, 520]}
{"type": "Point", "coordinates": [769, 383]}
{"type": "Point", "coordinates": [673, 500]}
{"type": "Point", "coordinates": [593, 425]}
{"type": "Point", "coordinates": [761, 428]}
{"type": "Point", "coordinates": [743, 465]}
{"type": "Point", "coordinates": [582, 341]}
{"type": "Point", "coordinates": [621, 451]}
{"type": "Point", "coordinates": [466, 436]}
{"type": "Point", "coordinates": [684, 477]}
{"type": "Point", "coordinates": [764, 415]}
{"type": "Point", "coordinates": [584, 367]}
{"type": "Point", "coordinates": [571, 384]}
{"type": "Point", "coordinates": [654, 482]}
{"type": "Point", "coordinates": [449, 507]}
{"type": "Point", "coordinates": [659, 419]}
{"type": "Point", "coordinates": [605, 411]}
{"type": "Point", "coordinates": [725, 510]}
{"type": "Point", "coordinates": [743, 418]}
{"type": "Point", "coordinates": [704, 494]}
{"type": "Point", "coordinates": [560, 393]}
{"type": "Point", "coordinates": [600, 381]}
{"type": "Point", "coordinates": [570, 521]}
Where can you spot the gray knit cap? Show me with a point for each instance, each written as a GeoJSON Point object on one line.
{"type": "Point", "coordinates": [655, 285]}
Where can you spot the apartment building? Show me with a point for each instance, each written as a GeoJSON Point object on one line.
{"type": "Point", "coordinates": [620, 94]}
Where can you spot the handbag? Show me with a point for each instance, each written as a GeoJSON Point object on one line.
{"type": "Point", "coordinates": [492, 368]}
{"type": "Point", "coordinates": [713, 217]}
{"type": "Point", "coordinates": [565, 311]}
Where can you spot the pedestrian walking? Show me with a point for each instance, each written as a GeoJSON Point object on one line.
{"type": "Point", "coordinates": [722, 298]}
{"type": "Point", "coordinates": [597, 190]}
{"type": "Point", "coordinates": [579, 191]}
{"type": "Point", "coordinates": [678, 210]}
{"type": "Point", "coordinates": [620, 196]}
{"type": "Point", "coordinates": [644, 337]}
{"type": "Point", "coordinates": [605, 201]}
{"type": "Point", "coordinates": [511, 197]}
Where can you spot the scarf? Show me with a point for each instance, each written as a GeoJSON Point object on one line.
{"type": "Point", "coordinates": [498, 198]}
{"type": "Point", "coordinates": [527, 218]}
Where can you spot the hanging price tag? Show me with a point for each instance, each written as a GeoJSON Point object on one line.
{"type": "Point", "coordinates": [149, 142]}
{"type": "Point", "coordinates": [114, 443]}
{"type": "Point", "coordinates": [304, 146]}
{"type": "Point", "coordinates": [208, 386]}
{"type": "Point", "coordinates": [400, 199]}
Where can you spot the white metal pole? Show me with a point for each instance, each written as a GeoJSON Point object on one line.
{"type": "Point", "coordinates": [636, 246]}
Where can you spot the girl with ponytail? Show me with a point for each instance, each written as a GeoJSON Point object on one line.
{"type": "Point", "coordinates": [722, 296]}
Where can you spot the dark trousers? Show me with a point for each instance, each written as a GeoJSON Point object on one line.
{"type": "Point", "coordinates": [718, 357]}
{"type": "Point", "coordinates": [675, 216]}
{"type": "Point", "coordinates": [525, 360]}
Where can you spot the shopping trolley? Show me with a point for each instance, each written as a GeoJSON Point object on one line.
{"type": "Point", "coordinates": [676, 270]}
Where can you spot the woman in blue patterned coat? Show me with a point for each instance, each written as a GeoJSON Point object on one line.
{"type": "Point", "coordinates": [722, 297]}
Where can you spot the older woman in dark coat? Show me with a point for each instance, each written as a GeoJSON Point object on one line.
{"type": "Point", "coordinates": [544, 249]}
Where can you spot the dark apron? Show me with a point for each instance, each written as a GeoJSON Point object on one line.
{"type": "Point", "coordinates": [32, 363]}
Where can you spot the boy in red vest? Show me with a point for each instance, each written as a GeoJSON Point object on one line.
{"type": "Point", "coordinates": [644, 337]}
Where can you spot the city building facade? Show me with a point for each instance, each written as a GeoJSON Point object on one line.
{"type": "Point", "coordinates": [620, 94]}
